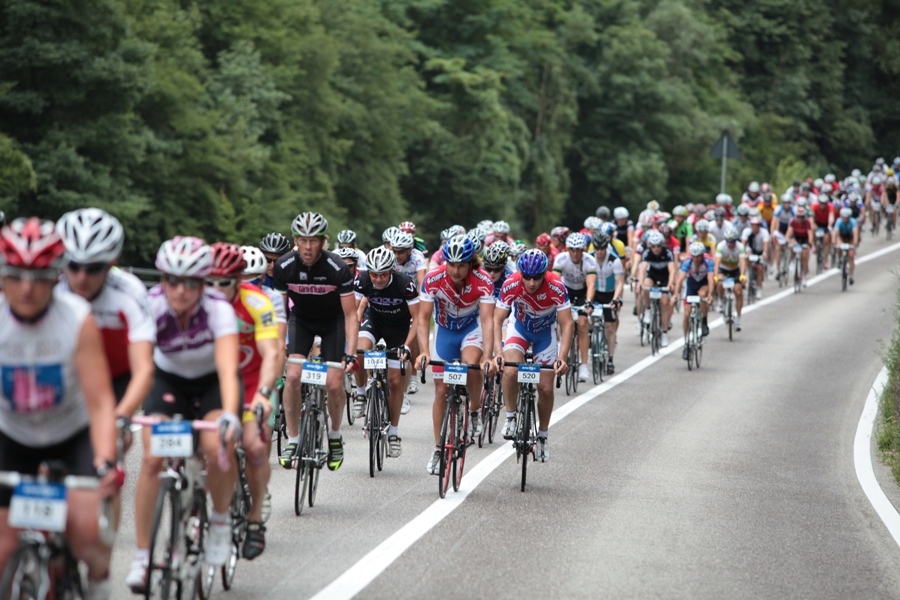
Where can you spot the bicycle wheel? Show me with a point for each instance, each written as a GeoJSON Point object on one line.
{"type": "Point", "coordinates": [373, 427]}
{"type": "Point", "coordinates": [317, 449]}
{"type": "Point", "coordinates": [164, 543]}
{"type": "Point", "coordinates": [446, 440]}
{"type": "Point", "coordinates": [301, 464]}
{"type": "Point", "coordinates": [22, 575]}
{"type": "Point", "coordinates": [486, 409]}
{"type": "Point", "coordinates": [528, 434]}
{"type": "Point", "coordinates": [196, 527]}
{"type": "Point", "coordinates": [596, 358]}
{"type": "Point", "coordinates": [385, 423]}
{"type": "Point", "coordinates": [698, 343]}
{"type": "Point", "coordinates": [844, 273]}
{"type": "Point", "coordinates": [575, 356]}
{"type": "Point", "coordinates": [280, 425]}
{"type": "Point", "coordinates": [462, 442]}
{"type": "Point", "coordinates": [604, 355]}
{"type": "Point", "coordinates": [656, 330]}
{"type": "Point", "coordinates": [496, 407]}
{"type": "Point", "coordinates": [240, 508]}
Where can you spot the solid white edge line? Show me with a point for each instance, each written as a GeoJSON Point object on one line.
{"type": "Point", "coordinates": [862, 459]}
{"type": "Point", "coordinates": [366, 569]}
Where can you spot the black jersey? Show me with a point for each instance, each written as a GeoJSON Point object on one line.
{"type": "Point", "coordinates": [390, 305]}
{"type": "Point", "coordinates": [315, 291]}
{"type": "Point", "coordinates": [658, 263]}
{"type": "Point", "coordinates": [622, 231]}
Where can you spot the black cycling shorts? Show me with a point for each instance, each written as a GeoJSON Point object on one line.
{"type": "Point", "coordinates": [192, 398]}
{"type": "Point", "coordinates": [732, 273]}
{"type": "Point", "coordinates": [577, 297]}
{"type": "Point", "coordinates": [394, 335]}
{"type": "Point", "coordinates": [659, 278]}
{"type": "Point", "coordinates": [606, 298]}
{"type": "Point", "coordinates": [302, 333]}
{"type": "Point", "coordinates": [76, 453]}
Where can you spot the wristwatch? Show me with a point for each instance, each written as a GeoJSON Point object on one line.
{"type": "Point", "coordinates": [265, 391]}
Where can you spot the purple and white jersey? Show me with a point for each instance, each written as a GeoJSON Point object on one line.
{"type": "Point", "coordinates": [190, 352]}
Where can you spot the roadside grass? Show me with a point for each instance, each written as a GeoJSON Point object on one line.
{"type": "Point", "coordinates": [888, 436]}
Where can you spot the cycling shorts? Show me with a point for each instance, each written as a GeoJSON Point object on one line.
{"type": "Point", "coordinates": [302, 334]}
{"type": "Point", "coordinates": [192, 398]}
{"type": "Point", "coordinates": [606, 298]}
{"type": "Point", "coordinates": [545, 344]}
{"type": "Point", "coordinates": [447, 344]}
{"type": "Point", "coordinates": [732, 273]}
{"type": "Point", "coordinates": [659, 278]}
{"type": "Point", "coordinates": [394, 336]}
{"type": "Point", "coordinates": [576, 298]}
{"type": "Point", "coordinates": [76, 453]}
{"type": "Point", "coordinates": [693, 288]}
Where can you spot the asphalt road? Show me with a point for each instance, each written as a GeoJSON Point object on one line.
{"type": "Point", "coordinates": [733, 481]}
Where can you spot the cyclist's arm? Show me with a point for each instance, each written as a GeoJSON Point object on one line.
{"type": "Point", "coordinates": [717, 260]}
{"type": "Point", "coordinates": [642, 271]}
{"type": "Point", "coordinates": [140, 360]}
{"type": "Point", "coordinates": [680, 279]}
{"type": "Point", "coordinates": [420, 277]}
{"type": "Point", "coordinates": [416, 314]}
{"type": "Point", "coordinates": [361, 307]}
{"type": "Point", "coordinates": [620, 287]}
{"type": "Point", "coordinates": [486, 312]}
{"type": "Point", "coordinates": [672, 274]}
{"type": "Point", "coordinates": [351, 321]}
{"type": "Point", "coordinates": [227, 351]}
{"type": "Point", "coordinates": [500, 315]}
{"type": "Point", "coordinates": [271, 368]}
{"type": "Point", "coordinates": [426, 309]}
{"type": "Point", "coordinates": [93, 376]}
{"type": "Point", "coordinates": [566, 331]}
{"type": "Point", "coordinates": [590, 283]}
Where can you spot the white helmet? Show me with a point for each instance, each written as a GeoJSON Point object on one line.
{"type": "Point", "coordinates": [724, 199]}
{"type": "Point", "coordinates": [346, 252]}
{"type": "Point", "coordinates": [185, 257]}
{"type": "Point", "coordinates": [827, 188]}
{"type": "Point", "coordinates": [500, 227]}
{"type": "Point", "coordinates": [91, 235]}
{"type": "Point", "coordinates": [855, 173]}
{"type": "Point", "coordinates": [255, 259]}
{"type": "Point", "coordinates": [592, 223]}
{"type": "Point", "coordinates": [347, 236]}
{"type": "Point", "coordinates": [876, 180]}
{"type": "Point", "coordinates": [702, 225]}
{"type": "Point", "coordinates": [830, 178]}
{"type": "Point", "coordinates": [754, 187]}
{"type": "Point", "coordinates": [786, 198]}
{"type": "Point", "coordinates": [620, 213]}
{"type": "Point", "coordinates": [818, 183]}
{"type": "Point", "coordinates": [697, 249]}
{"type": "Point", "coordinates": [309, 224]}
{"type": "Point", "coordinates": [576, 240]}
{"type": "Point", "coordinates": [380, 260]}
{"type": "Point", "coordinates": [653, 205]}
{"type": "Point", "coordinates": [402, 240]}
{"type": "Point", "coordinates": [389, 234]}
{"type": "Point", "coordinates": [846, 212]}
{"type": "Point", "coordinates": [731, 233]}
{"type": "Point", "coordinates": [655, 238]}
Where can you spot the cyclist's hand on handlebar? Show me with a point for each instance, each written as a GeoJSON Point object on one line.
{"type": "Point", "coordinates": [423, 360]}
{"type": "Point", "coordinates": [264, 402]}
{"type": "Point", "coordinates": [489, 367]}
{"type": "Point", "coordinates": [351, 365]}
{"type": "Point", "coordinates": [404, 354]}
{"type": "Point", "coordinates": [500, 362]}
{"type": "Point", "coordinates": [742, 278]}
{"type": "Point", "coordinates": [232, 422]}
{"type": "Point", "coordinates": [561, 367]}
{"type": "Point", "coordinates": [589, 308]}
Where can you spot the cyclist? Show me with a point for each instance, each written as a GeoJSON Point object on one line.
{"type": "Point", "coordinates": [273, 247]}
{"type": "Point", "coordinates": [731, 262]}
{"type": "Point", "coordinates": [767, 206]}
{"type": "Point", "coordinates": [756, 242]}
{"type": "Point", "coordinates": [558, 235]}
{"type": "Point", "coordinates": [347, 239]}
{"type": "Point", "coordinates": [410, 227]}
{"type": "Point", "coordinates": [544, 243]}
{"type": "Point", "coordinates": [846, 231]}
{"type": "Point", "coordinates": [437, 258]}
{"type": "Point", "coordinates": [411, 263]}
{"type": "Point", "coordinates": [624, 226]}
{"type": "Point", "coordinates": [823, 215]}
{"type": "Point", "coordinates": [578, 272]}
{"type": "Point", "coordinates": [874, 196]}
{"type": "Point", "coordinates": [751, 196]}
{"type": "Point", "coordinates": [719, 224]}
{"type": "Point", "coordinates": [800, 231]}
{"type": "Point", "coordinates": [499, 233]}
{"type": "Point", "coordinates": [460, 295]}
{"type": "Point", "coordinates": [261, 363]}
{"type": "Point", "coordinates": [726, 203]}
{"type": "Point", "coordinates": [890, 197]}
{"type": "Point", "coordinates": [610, 284]}
{"type": "Point", "coordinates": [320, 286]}
{"type": "Point", "coordinates": [698, 272]}
{"type": "Point", "coordinates": [196, 376]}
{"type": "Point", "coordinates": [704, 236]}
{"type": "Point", "coordinates": [603, 214]}
{"type": "Point", "coordinates": [253, 272]}
{"type": "Point", "coordinates": [742, 221]}
{"type": "Point", "coordinates": [58, 403]}
{"type": "Point", "coordinates": [540, 302]}
{"type": "Point", "coordinates": [681, 227]}
{"type": "Point", "coordinates": [496, 263]}
{"type": "Point", "coordinates": [657, 269]}
{"type": "Point", "coordinates": [781, 218]}
{"type": "Point", "coordinates": [393, 300]}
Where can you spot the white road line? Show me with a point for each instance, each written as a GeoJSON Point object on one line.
{"type": "Point", "coordinates": [862, 460]}
{"type": "Point", "coordinates": [370, 566]}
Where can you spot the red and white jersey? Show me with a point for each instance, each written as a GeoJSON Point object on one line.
{"type": "Point", "coordinates": [534, 312]}
{"type": "Point", "coordinates": [123, 316]}
{"type": "Point", "coordinates": [452, 309]}
{"type": "Point", "coordinates": [498, 237]}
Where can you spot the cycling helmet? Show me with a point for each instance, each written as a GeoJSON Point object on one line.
{"type": "Point", "coordinates": [600, 241]}
{"type": "Point", "coordinates": [697, 249]}
{"type": "Point", "coordinates": [559, 233]}
{"type": "Point", "coordinates": [754, 187]}
{"type": "Point", "coordinates": [497, 254]}
{"type": "Point", "coordinates": [854, 197]}
{"type": "Point", "coordinates": [309, 224]}
{"type": "Point", "coordinates": [801, 211]}
{"type": "Point", "coordinates": [275, 243]}
{"type": "Point", "coordinates": [802, 201]}
{"type": "Point", "coordinates": [756, 220]}
{"type": "Point", "coordinates": [765, 188]}
{"type": "Point", "coordinates": [346, 252]}
{"type": "Point", "coordinates": [389, 234]}
{"type": "Point", "coordinates": [31, 244]}
{"type": "Point", "coordinates": [889, 172]}
{"type": "Point", "coordinates": [720, 214]}
{"type": "Point", "coordinates": [827, 188]}
{"type": "Point", "coordinates": [702, 225]}
{"type": "Point", "coordinates": [878, 168]}
{"type": "Point", "coordinates": [680, 211]}
{"type": "Point", "coordinates": [786, 198]}
{"type": "Point", "coordinates": [380, 260]}
{"type": "Point", "coordinates": [185, 256]}
{"type": "Point", "coordinates": [346, 236]}
{"type": "Point", "coordinates": [533, 262]}
{"type": "Point", "coordinates": [518, 247]}
{"type": "Point", "coordinates": [91, 235]}
{"type": "Point", "coordinates": [485, 224]}
{"type": "Point", "coordinates": [879, 161]}
{"type": "Point", "coordinates": [731, 234]}
{"type": "Point", "coordinates": [592, 223]}
{"type": "Point", "coordinates": [710, 215]}
{"type": "Point", "coordinates": [477, 244]}
{"type": "Point", "coordinates": [754, 212]}
{"type": "Point", "coordinates": [402, 240]}
{"type": "Point", "coordinates": [818, 183]}
{"type": "Point", "coordinates": [609, 229]}
{"type": "Point", "coordinates": [846, 213]}
{"type": "Point", "coordinates": [603, 213]}
{"type": "Point", "coordinates": [653, 206]}
{"type": "Point", "coordinates": [256, 261]}
{"type": "Point", "coordinates": [666, 231]}
{"type": "Point", "coordinates": [476, 234]}
{"type": "Point", "coordinates": [227, 260]}
{"type": "Point", "coordinates": [830, 178]}
{"type": "Point", "coordinates": [457, 230]}
{"type": "Point", "coordinates": [575, 241]}
{"type": "Point", "coordinates": [892, 182]}
{"type": "Point", "coordinates": [655, 238]}
{"type": "Point", "coordinates": [876, 180]}
{"type": "Point", "coordinates": [408, 227]}
{"type": "Point", "coordinates": [500, 227]}
{"type": "Point", "coordinates": [543, 240]}
{"type": "Point", "coordinates": [485, 229]}
{"type": "Point", "coordinates": [699, 209]}
{"type": "Point", "coordinates": [724, 199]}
{"type": "Point", "coordinates": [445, 235]}
{"type": "Point", "coordinates": [646, 220]}
{"type": "Point", "coordinates": [620, 212]}
{"type": "Point", "coordinates": [459, 248]}
{"type": "Point", "coordinates": [856, 173]}
{"type": "Point", "coordinates": [743, 210]}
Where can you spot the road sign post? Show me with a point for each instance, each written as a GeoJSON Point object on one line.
{"type": "Point", "coordinates": [725, 148]}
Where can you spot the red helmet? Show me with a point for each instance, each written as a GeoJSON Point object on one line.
{"type": "Point", "coordinates": [228, 260]}
{"type": "Point", "coordinates": [31, 244]}
{"type": "Point", "coordinates": [408, 227]}
{"type": "Point", "coordinates": [543, 240]}
{"type": "Point", "coordinates": [560, 234]}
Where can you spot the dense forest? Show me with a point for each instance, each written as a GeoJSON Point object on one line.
{"type": "Point", "coordinates": [224, 118]}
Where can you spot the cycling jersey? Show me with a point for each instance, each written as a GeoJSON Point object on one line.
{"type": "Point", "coordinates": [41, 402]}
{"type": "Point", "coordinates": [413, 265]}
{"type": "Point", "coordinates": [360, 260]}
{"type": "Point", "coordinates": [765, 211]}
{"type": "Point", "coordinates": [877, 191]}
{"type": "Point", "coordinates": [622, 230]}
{"type": "Point", "coordinates": [729, 258]}
{"type": "Point", "coordinates": [709, 241]}
{"type": "Point", "coordinates": [682, 232]}
{"type": "Point", "coordinates": [390, 305]}
{"type": "Point", "coordinates": [695, 272]}
{"type": "Point", "coordinates": [190, 352]}
{"type": "Point", "coordinates": [452, 309]}
{"type": "Point", "coordinates": [314, 291]}
{"type": "Point", "coordinates": [741, 225]}
{"type": "Point", "coordinates": [801, 228]}
{"type": "Point", "coordinates": [607, 271]}
{"type": "Point", "coordinates": [754, 243]}
{"type": "Point", "coordinates": [498, 285]}
{"type": "Point", "coordinates": [658, 264]}
{"type": "Point", "coordinates": [784, 214]}
{"type": "Point", "coordinates": [437, 257]}
{"type": "Point", "coordinates": [256, 321]}
{"type": "Point", "coordinates": [618, 247]}
{"type": "Point", "coordinates": [573, 274]}
{"type": "Point", "coordinates": [718, 231]}
{"type": "Point", "coordinates": [277, 302]}
{"type": "Point", "coordinates": [822, 212]}
{"type": "Point", "coordinates": [534, 312]}
{"type": "Point", "coordinates": [845, 228]}
{"type": "Point", "coordinates": [120, 311]}
{"type": "Point", "coordinates": [498, 237]}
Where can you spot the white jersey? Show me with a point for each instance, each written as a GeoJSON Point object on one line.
{"type": "Point", "coordinates": [361, 260]}
{"type": "Point", "coordinates": [608, 271]}
{"type": "Point", "coordinates": [412, 266]}
{"type": "Point", "coordinates": [190, 352]}
{"type": "Point", "coordinates": [758, 240]}
{"type": "Point", "coordinates": [717, 231]}
{"type": "Point", "coordinates": [42, 403]}
{"type": "Point", "coordinates": [573, 275]}
{"type": "Point", "coordinates": [729, 258]}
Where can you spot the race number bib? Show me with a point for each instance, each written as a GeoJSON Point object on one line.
{"type": "Point", "coordinates": [171, 438]}
{"type": "Point", "coordinates": [728, 284]}
{"type": "Point", "coordinates": [456, 374]}
{"type": "Point", "coordinates": [529, 374]}
{"type": "Point", "coordinates": [314, 373]}
{"type": "Point", "coordinates": [655, 293]}
{"type": "Point", "coordinates": [39, 506]}
{"type": "Point", "coordinates": [375, 360]}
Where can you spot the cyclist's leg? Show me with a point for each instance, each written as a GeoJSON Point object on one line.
{"type": "Point", "coordinates": [219, 482]}
{"type": "Point", "coordinates": [446, 346]}
{"type": "Point", "coordinates": [365, 341]}
{"type": "Point", "coordinates": [546, 351]}
{"type": "Point", "coordinates": [612, 326]}
{"type": "Point", "coordinates": [514, 349]}
{"type": "Point", "coordinates": [82, 530]}
{"type": "Point", "coordinates": [332, 350]}
{"type": "Point", "coordinates": [300, 342]}
{"type": "Point", "coordinates": [584, 340]}
{"type": "Point", "coordinates": [396, 382]}
{"type": "Point", "coordinates": [258, 468]}
{"type": "Point", "coordinates": [471, 354]}
{"type": "Point", "coordinates": [851, 256]}
{"type": "Point", "coordinates": [738, 297]}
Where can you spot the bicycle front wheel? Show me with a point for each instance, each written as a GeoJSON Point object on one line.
{"type": "Point", "coordinates": [302, 465]}
{"type": "Point", "coordinates": [373, 427]}
{"type": "Point", "coordinates": [197, 577]}
{"type": "Point", "coordinates": [485, 410]}
{"type": "Point", "coordinates": [446, 447]}
{"type": "Point", "coordinates": [596, 357]}
{"type": "Point", "coordinates": [496, 407]}
{"type": "Point", "coordinates": [317, 451]}
{"type": "Point", "coordinates": [462, 442]}
{"type": "Point", "coordinates": [698, 343]}
{"type": "Point", "coordinates": [528, 434]}
{"type": "Point", "coordinates": [22, 576]}
{"type": "Point", "coordinates": [164, 543]}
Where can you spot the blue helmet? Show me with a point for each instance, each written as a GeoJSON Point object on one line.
{"type": "Point", "coordinates": [458, 249]}
{"type": "Point", "coordinates": [532, 262]}
{"type": "Point", "coordinates": [608, 228]}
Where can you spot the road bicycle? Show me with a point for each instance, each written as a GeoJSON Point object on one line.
{"type": "Point", "coordinates": [784, 263]}
{"type": "Point", "coordinates": [820, 253]}
{"type": "Point", "coordinates": [876, 217]}
{"type": "Point", "coordinates": [889, 220]}
{"type": "Point", "coordinates": [752, 280]}
{"type": "Point", "coordinates": [378, 413]}
{"type": "Point", "coordinates": [693, 341]}
{"type": "Point", "coordinates": [491, 408]}
{"type": "Point", "coordinates": [574, 359]}
{"type": "Point", "coordinates": [655, 326]}
{"type": "Point", "coordinates": [844, 264]}
{"type": "Point", "coordinates": [728, 304]}
{"type": "Point", "coordinates": [599, 343]}
{"type": "Point", "coordinates": [798, 268]}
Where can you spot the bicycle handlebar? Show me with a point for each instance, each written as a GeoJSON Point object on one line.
{"type": "Point", "coordinates": [197, 425]}
{"type": "Point", "coordinates": [391, 353]}
{"type": "Point", "coordinates": [11, 479]}
{"type": "Point", "coordinates": [542, 367]}
{"type": "Point", "coordinates": [441, 363]}
{"type": "Point", "coordinates": [327, 363]}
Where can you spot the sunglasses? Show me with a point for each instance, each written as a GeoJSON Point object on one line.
{"type": "Point", "coordinates": [532, 277]}
{"type": "Point", "coordinates": [187, 282]}
{"type": "Point", "coordinates": [401, 250]}
{"type": "Point", "coordinates": [494, 269]}
{"type": "Point", "coordinates": [222, 284]}
{"type": "Point", "coordinates": [270, 260]}
{"type": "Point", "coordinates": [89, 268]}
{"type": "Point", "coordinates": [379, 276]}
{"type": "Point", "coordinates": [39, 275]}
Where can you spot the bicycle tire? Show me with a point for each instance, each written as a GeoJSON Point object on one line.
{"type": "Point", "coordinates": [575, 353]}
{"type": "Point", "coordinates": [485, 410]}
{"type": "Point", "coordinates": [496, 407]}
{"type": "Point", "coordinates": [527, 436]}
{"type": "Point", "coordinates": [168, 520]}
{"type": "Point", "coordinates": [656, 329]}
{"type": "Point", "coordinates": [385, 423]}
{"type": "Point", "coordinates": [444, 464]}
{"type": "Point", "coordinates": [373, 428]}
{"type": "Point", "coordinates": [844, 273]}
{"type": "Point", "coordinates": [28, 584]}
{"type": "Point", "coordinates": [240, 508]}
{"type": "Point", "coordinates": [689, 344]}
{"type": "Point", "coordinates": [462, 442]}
{"type": "Point", "coordinates": [595, 356]}
{"type": "Point", "coordinates": [197, 530]}
{"type": "Point", "coordinates": [604, 356]}
{"type": "Point", "coordinates": [280, 425]}
{"type": "Point", "coordinates": [349, 391]}
{"type": "Point", "coordinates": [643, 327]}
{"type": "Point", "coordinates": [317, 445]}
{"type": "Point", "coordinates": [698, 342]}
{"type": "Point", "coordinates": [302, 466]}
